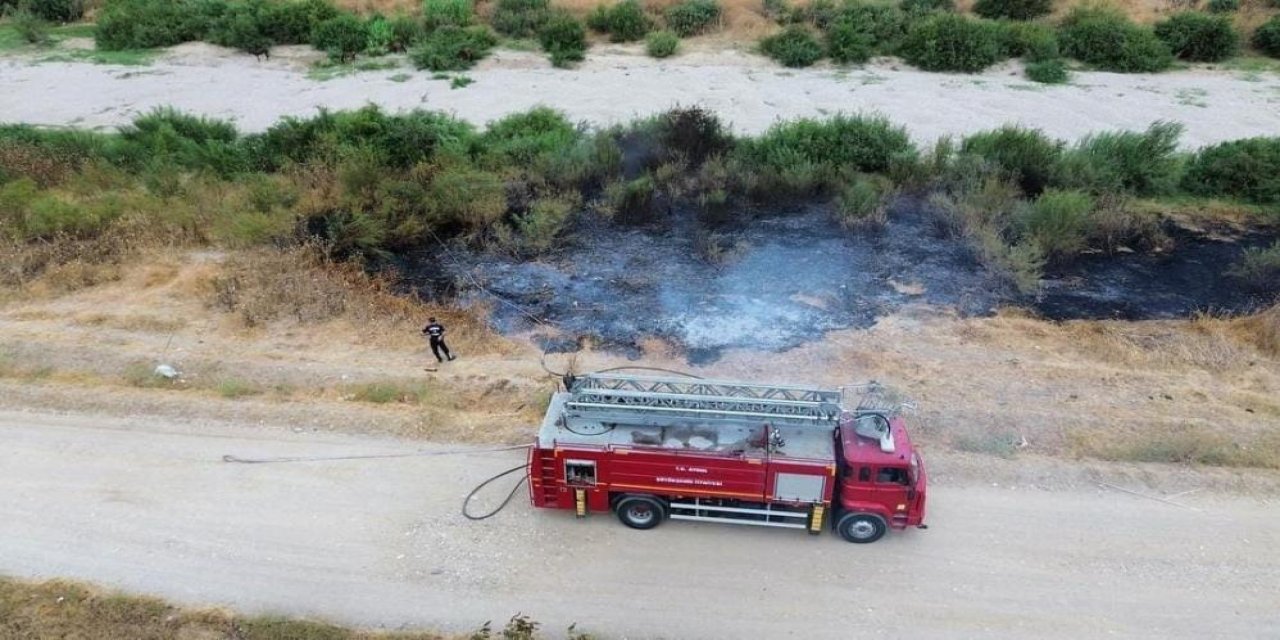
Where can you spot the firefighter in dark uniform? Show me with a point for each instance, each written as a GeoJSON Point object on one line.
{"type": "Point", "coordinates": [435, 332]}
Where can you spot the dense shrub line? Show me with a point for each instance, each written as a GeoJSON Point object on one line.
{"type": "Point", "coordinates": [55, 11]}
{"type": "Point", "coordinates": [443, 38]}
{"type": "Point", "coordinates": [1267, 38]}
{"type": "Point", "coordinates": [446, 27]}
{"type": "Point", "coordinates": [366, 183]}
{"type": "Point", "coordinates": [928, 34]}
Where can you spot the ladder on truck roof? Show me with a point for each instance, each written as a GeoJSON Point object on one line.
{"type": "Point", "coordinates": [617, 398]}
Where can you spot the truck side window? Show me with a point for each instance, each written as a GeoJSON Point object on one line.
{"type": "Point", "coordinates": [580, 472]}
{"type": "Point", "coordinates": [891, 475]}
{"type": "Point", "coordinates": [864, 474]}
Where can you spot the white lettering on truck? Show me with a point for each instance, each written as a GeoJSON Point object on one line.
{"type": "Point", "coordinates": [695, 481]}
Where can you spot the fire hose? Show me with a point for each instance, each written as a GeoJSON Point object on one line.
{"type": "Point", "coordinates": [466, 501]}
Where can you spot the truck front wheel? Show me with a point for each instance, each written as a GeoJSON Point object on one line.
{"type": "Point", "coordinates": [861, 527]}
{"type": "Point", "coordinates": [641, 512]}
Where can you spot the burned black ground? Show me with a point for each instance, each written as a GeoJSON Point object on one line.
{"type": "Point", "coordinates": [781, 279]}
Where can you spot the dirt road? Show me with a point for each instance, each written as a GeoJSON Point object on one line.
{"type": "Point", "coordinates": [152, 508]}
{"type": "Point", "coordinates": [617, 84]}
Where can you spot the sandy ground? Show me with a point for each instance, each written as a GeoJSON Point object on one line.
{"type": "Point", "coordinates": [151, 508]}
{"type": "Point", "coordinates": [617, 84]}
{"type": "Point", "coordinates": [1057, 389]}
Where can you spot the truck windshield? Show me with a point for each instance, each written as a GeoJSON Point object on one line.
{"type": "Point", "coordinates": [892, 475]}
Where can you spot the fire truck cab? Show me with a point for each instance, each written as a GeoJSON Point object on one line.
{"type": "Point", "coordinates": [652, 449]}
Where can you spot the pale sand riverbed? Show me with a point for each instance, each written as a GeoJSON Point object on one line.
{"type": "Point", "coordinates": [617, 84]}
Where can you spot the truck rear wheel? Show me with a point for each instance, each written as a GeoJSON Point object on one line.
{"type": "Point", "coordinates": [641, 512]}
{"type": "Point", "coordinates": [861, 527]}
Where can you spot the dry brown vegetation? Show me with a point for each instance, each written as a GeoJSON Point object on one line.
{"type": "Point", "coordinates": [274, 331]}
{"type": "Point", "coordinates": [1199, 391]}
{"type": "Point", "coordinates": [63, 610]}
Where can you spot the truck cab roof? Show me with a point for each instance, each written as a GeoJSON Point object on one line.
{"type": "Point", "coordinates": [860, 450]}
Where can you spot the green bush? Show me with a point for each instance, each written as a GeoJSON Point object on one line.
{"type": "Point", "coordinates": [692, 134]}
{"type": "Point", "coordinates": [921, 7]}
{"type": "Point", "coordinates": [563, 38]}
{"type": "Point", "coordinates": [815, 12]}
{"type": "Point", "coordinates": [244, 32]}
{"type": "Point", "coordinates": [863, 203]}
{"type": "Point", "coordinates": [1247, 169]}
{"type": "Point", "coordinates": [543, 222]}
{"type": "Point", "coordinates": [692, 17]}
{"type": "Point", "coordinates": [405, 32]}
{"type": "Point", "coordinates": [1144, 163]}
{"type": "Point", "coordinates": [520, 18]}
{"type": "Point", "coordinates": [1267, 38]}
{"type": "Point", "coordinates": [293, 21]}
{"type": "Point", "coordinates": [885, 23]}
{"type": "Point", "coordinates": [1031, 41]}
{"type": "Point", "coordinates": [867, 144]}
{"type": "Point", "coordinates": [529, 139]}
{"type": "Point", "coordinates": [624, 22]}
{"type": "Point", "coordinates": [32, 28]}
{"type": "Point", "coordinates": [1199, 37]}
{"type": "Point", "coordinates": [1058, 221]}
{"type": "Point", "coordinates": [1013, 9]}
{"type": "Point", "coordinates": [447, 13]}
{"type": "Point", "coordinates": [1109, 41]}
{"type": "Point", "coordinates": [379, 36]}
{"type": "Point", "coordinates": [453, 48]}
{"type": "Point", "coordinates": [26, 214]}
{"type": "Point", "coordinates": [795, 46]}
{"type": "Point", "coordinates": [662, 44]}
{"type": "Point", "coordinates": [1259, 267]}
{"type": "Point", "coordinates": [849, 42]}
{"type": "Point", "coordinates": [242, 27]}
{"type": "Point", "coordinates": [341, 37]}
{"type": "Point", "coordinates": [59, 11]}
{"type": "Point", "coordinates": [949, 42]}
{"type": "Point", "coordinates": [1025, 155]}
{"type": "Point", "coordinates": [143, 24]}
{"type": "Point", "coordinates": [598, 19]}
{"type": "Point", "coordinates": [400, 141]}
{"type": "Point", "coordinates": [165, 137]}
{"type": "Point", "coordinates": [1048, 71]}
{"type": "Point", "coordinates": [1224, 6]}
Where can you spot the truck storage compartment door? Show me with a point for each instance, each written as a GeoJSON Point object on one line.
{"type": "Point", "coordinates": [798, 487]}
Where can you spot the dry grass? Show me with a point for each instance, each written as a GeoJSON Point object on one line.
{"type": "Point", "coordinates": [60, 609]}
{"type": "Point", "coordinates": [302, 287]}
{"type": "Point", "coordinates": [1201, 391]}
{"type": "Point", "coordinates": [1260, 330]}
{"type": "Point", "coordinates": [137, 322]}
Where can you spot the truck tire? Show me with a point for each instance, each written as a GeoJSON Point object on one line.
{"type": "Point", "coordinates": [641, 512]}
{"type": "Point", "coordinates": [861, 528]}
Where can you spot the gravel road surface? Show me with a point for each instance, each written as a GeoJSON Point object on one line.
{"type": "Point", "coordinates": [152, 508]}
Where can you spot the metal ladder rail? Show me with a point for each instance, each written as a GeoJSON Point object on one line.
{"type": "Point", "coordinates": [699, 387]}
{"type": "Point", "coordinates": [620, 405]}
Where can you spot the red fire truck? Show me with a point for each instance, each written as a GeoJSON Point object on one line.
{"type": "Point", "coordinates": [654, 448]}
